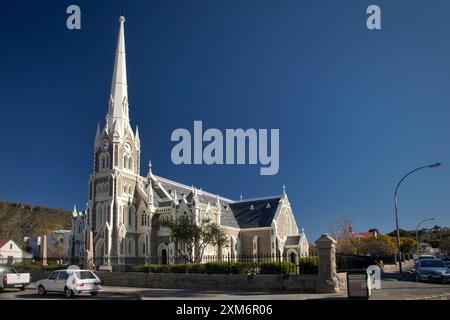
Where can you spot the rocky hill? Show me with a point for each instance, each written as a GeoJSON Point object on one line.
{"type": "Point", "coordinates": [23, 220]}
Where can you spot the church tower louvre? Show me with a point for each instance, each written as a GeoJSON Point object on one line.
{"type": "Point", "coordinates": [116, 173]}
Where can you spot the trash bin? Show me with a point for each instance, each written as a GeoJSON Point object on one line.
{"type": "Point", "coordinates": [359, 284]}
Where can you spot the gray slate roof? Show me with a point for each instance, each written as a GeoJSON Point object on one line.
{"type": "Point", "coordinates": [248, 214]}
{"type": "Point", "coordinates": [293, 240]}
{"type": "Point", "coordinates": [255, 214]}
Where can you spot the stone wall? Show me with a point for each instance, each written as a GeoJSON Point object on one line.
{"type": "Point", "coordinates": [301, 283]}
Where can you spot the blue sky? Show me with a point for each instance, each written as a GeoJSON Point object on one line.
{"type": "Point", "coordinates": [356, 109]}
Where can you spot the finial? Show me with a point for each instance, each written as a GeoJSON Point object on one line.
{"type": "Point", "coordinates": [284, 189]}
{"type": "Point", "coordinates": [240, 197]}
{"type": "Point", "coordinates": [74, 208]}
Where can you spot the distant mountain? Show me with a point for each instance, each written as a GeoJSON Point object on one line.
{"type": "Point", "coordinates": [22, 220]}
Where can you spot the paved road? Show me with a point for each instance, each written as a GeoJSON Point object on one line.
{"type": "Point", "coordinates": [31, 294]}
{"type": "Point", "coordinates": [401, 287]}
{"type": "Point", "coordinates": [394, 287]}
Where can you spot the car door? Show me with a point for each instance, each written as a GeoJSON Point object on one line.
{"type": "Point", "coordinates": [60, 283]}
{"type": "Point", "coordinates": [50, 283]}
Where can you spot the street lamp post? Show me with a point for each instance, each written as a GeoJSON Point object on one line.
{"type": "Point", "coordinates": [435, 165]}
{"type": "Point", "coordinates": [417, 229]}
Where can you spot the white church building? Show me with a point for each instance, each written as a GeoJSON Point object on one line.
{"type": "Point", "coordinates": [120, 222]}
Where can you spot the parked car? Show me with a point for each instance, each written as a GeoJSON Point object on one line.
{"type": "Point", "coordinates": [423, 257]}
{"type": "Point", "coordinates": [70, 282]}
{"type": "Point", "coordinates": [12, 279]}
{"type": "Point", "coordinates": [432, 269]}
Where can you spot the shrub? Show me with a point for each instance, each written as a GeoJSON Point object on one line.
{"type": "Point", "coordinates": [197, 268]}
{"type": "Point", "coordinates": [140, 268]}
{"type": "Point", "coordinates": [151, 268]}
{"type": "Point", "coordinates": [278, 268]}
{"type": "Point", "coordinates": [308, 265]}
{"type": "Point", "coordinates": [38, 266]}
{"type": "Point", "coordinates": [244, 268]}
{"type": "Point", "coordinates": [217, 268]}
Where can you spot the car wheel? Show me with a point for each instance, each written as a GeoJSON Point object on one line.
{"type": "Point", "coordinates": [418, 278]}
{"type": "Point", "coordinates": [94, 294]}
{"type": "Point", "coordinates": [22, 288]}
{"type": "Point", "coordinates": [68, 293]}
{"type": "Point", "coordinates": [41, 291]}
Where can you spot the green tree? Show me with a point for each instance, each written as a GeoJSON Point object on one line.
{"type": "Point", "coordinates": [407, 244]}
{"type": "Point", "coordinates": [382, 244]}
{"type": "Point", "coordinates": [188, 235]}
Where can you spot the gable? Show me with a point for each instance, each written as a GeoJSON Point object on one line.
{"type": "Point", "coordinates": [5, 246]}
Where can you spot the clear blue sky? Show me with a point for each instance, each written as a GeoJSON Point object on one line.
{"type": "Point", "coordinates": [356, 109]}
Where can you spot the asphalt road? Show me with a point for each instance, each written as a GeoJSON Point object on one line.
{"type": "Point", "coordinates": [393, 287]}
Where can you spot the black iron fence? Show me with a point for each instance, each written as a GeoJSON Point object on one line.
{"type": "Point", "coordinates": [33, 263]}
{"type": "Point", "coordinates": [345, 262]}
{"type": "Point", "coordinates": [227, 264]}
{"type": "Point", "coordinates": [208, 264]}
{"type": "Point", "coordinates": [214, 264]}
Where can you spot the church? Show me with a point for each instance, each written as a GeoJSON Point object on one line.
{"type": "Point", "coordinates": [122, 223]}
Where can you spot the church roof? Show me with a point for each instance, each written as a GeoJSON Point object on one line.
{"type": "Point", "coordinates": [293, 240]}
{"type": "Point", "coordinates": [255, 214]}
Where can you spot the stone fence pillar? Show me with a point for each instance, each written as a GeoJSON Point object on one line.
{"type": "Point", "coordinates": [326, 250]}
{"type": "Point", "coordinates": [44, 251]}
{"type": "Point", "coordinates": [88, 262]}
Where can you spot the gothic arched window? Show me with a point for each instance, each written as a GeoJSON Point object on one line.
{"type": "Point", "coordinates": [130, 163]}
{"type": "Point", "coordinates": [125, 162]}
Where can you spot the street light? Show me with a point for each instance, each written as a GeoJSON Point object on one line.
{"type": "Point", "coordinates": [417, 228]}
{"type": "Point", "coordinates": [434, 165]}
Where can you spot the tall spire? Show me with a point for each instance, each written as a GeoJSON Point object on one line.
{"type": "Point", "coordinates": [118, 103]}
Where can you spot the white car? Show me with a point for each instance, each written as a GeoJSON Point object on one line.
{"type": "Point", "coordinates": [10, 278]}
{"type": "Point", "coordinates": [70, 282]}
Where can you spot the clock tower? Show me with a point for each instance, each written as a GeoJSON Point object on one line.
{"type": "Point", "coordinates": [112, 185]}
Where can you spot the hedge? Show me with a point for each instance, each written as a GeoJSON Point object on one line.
{"type": "Point", "coordinates": [278, 268]}
{"type": "Point", "coordinates": [306, 266]}
{"type": "Point", "coordinates": [38, 266]}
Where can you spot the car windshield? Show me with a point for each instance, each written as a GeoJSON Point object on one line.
{"type": "Point", "coordinates": [432, 264]}
{"type": "Point", "coordinates": [83, 275]}
{"type": "Point", "coordinates": [426, 258]}
{"type": "Point", "coordinates": [4, 270]}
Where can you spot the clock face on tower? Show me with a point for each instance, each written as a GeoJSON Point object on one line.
{"type": "Point", "coordinates": [128, 147]}
{"type": "Point", "coordinates": [105, 145]}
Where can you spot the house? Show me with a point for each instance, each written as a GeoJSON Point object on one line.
{"type": "Point", "coordinates": [10, 252]}
{"type": "Point", "coordinates": [372, 233]}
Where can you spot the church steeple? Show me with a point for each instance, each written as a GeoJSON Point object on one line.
{"type": "Point", "coordinates": [118, 102]}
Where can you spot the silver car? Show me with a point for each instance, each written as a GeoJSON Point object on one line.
{"type": "Point", "coordinates": [429, 270]}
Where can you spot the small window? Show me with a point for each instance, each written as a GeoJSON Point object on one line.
{"type": "Point", "coordinates": [54, 275]}
{"type": "Point", "coordinates": [10, 246]}
{"type": "Point", "coordinates": [63, 276]}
